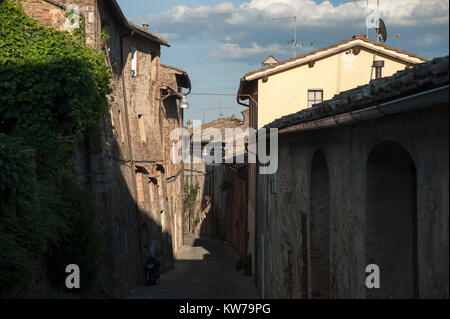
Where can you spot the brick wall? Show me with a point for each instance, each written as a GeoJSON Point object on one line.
{"type": "Point", "coordinates": [121, 163]}
{"type": "Point", "coordinates": [46, 12]}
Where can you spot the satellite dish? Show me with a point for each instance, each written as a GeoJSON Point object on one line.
{"type": "Point", "coordinates": [381, 31]}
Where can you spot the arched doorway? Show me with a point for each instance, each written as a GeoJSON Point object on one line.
{"type": "Point", "coordinates": [391, 220]}
{"type": "Point", "coordinates": [319, 229]}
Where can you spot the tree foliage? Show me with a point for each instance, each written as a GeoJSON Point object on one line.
{"type": "Point", "coordinates": [190, 194]}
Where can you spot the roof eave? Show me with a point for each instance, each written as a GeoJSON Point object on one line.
{"type": "Point", "coordinates": [132, 28]}
{"type": "Point", "coordinates": [243, 94]}
{"type": "Point", "coordinates": [147, 36]}
{"type": "Point", "coordinates": [185, 82]}
{"type": "Point", "coordinates": [334, 49]}
{"type": "Point", "coordinates": [181, 75]}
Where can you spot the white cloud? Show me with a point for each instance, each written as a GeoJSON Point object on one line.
{"type": "Point", "coordinates": [232, 51]}
{"type": "Point", "coordinates": [415, 12]}
{"type": "Point", "coordinates": [235, 27]}
{"type": "Point", "coordinates": [430, 39]}
{"type": "Point", "coordinates": [169, 36]}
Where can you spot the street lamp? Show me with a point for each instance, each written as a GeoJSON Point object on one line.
{"type": "Point", "coordinates": [184, 104]}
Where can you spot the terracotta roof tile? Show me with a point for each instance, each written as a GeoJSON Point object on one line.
{"type": "Point", "coordinates": [223, 123]}
{"type": "Point", "coordinates": [158, 38]}
{"type": "Point", "coordinates": [173, 68]}
{"type": "Point", "coordinates": [421, 77]}
{"type": "Point", "coordinates": [358, 37]}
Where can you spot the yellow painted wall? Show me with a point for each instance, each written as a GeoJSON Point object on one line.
{"type": "Point", "coordinates": [287, 92]}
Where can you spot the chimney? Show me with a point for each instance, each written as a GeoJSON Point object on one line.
{"type": "Point", "coordinates": [145, 26]}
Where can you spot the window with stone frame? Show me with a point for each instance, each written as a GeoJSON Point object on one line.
{"type": "Point", "coordinates": [314, 97]}
{"type": "Point", "coordinates": [141, 122]}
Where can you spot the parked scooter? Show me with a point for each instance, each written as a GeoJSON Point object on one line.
{"type": "Point", "coordinates": [152, 268]}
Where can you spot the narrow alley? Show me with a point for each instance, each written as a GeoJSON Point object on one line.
{"type": "Point", "coordinates": [204, 148]}
{"type": "Point", "coordinates": [205, 270]}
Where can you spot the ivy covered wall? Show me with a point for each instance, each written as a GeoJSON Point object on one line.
{"type": "Point", "coordinates": [53, 90]}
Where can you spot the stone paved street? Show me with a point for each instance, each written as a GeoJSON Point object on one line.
{"type": "Point", "coordinates": [204, 270]}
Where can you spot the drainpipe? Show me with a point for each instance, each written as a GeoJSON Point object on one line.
{"type": "Point", "coordinates": [243, 104]}
{"type": "Point", "coordinates": [255, 227]}
{"type": "Point", "coordinates": [404, 104]}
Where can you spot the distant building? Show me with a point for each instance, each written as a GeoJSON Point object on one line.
{"type": "Point", "coordinates": [269, 61]}
{"type": "Point", "coordinates": [221, 213]}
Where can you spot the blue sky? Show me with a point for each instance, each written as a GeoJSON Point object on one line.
{"type": "Point", "coordinates": [217, 41]}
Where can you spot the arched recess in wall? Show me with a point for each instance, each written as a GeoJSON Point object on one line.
{"type": "Point", "coordinates": [319, 229]}
{"type": "Point", "coordinates": [391, 220]}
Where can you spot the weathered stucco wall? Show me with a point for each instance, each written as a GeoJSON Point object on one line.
{"type": "Point", "coordinates": [423, 134]}
{"type": "Point", "coordinates": [335, 74]}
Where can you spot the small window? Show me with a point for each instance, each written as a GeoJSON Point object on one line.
{"type": "Point", "coordinates": [140, 188]}
{"type": "Point", "coordinates": [133, 62]}
{"type": "Point", "coordinates": [151, 190]}
{"type": "Point", "coordinates": [142, 127]}
{"type": "Point", "coordinates": [160, 193]}
{"type": "Point", "coordinates": [314, 97]}
{"type": "Point", "coordinates": [122, 135]}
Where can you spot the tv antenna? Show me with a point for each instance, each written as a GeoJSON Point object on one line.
{"type": "Point", "coordinates": [377, 21]}
{"type": "Point", "coordinates": [220, 110]}
{"type": "Point", "coordinates": [312, 45]}
{"type": "Point", "coordinates": [394, 37]}
{"type": "Point", "coordinates": [294, 42]}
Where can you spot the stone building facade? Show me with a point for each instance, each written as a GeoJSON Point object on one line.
{"type": "Point", "coordinates": [220, 212]}
{"type": "Point", "coordinates": [237, 206]}
{"type": "Point", "coordinates": [172, 81]}
{"type": "Point", "coordinates": [362, 179]}
{"type": "Point", "coordinates": [135, 184]}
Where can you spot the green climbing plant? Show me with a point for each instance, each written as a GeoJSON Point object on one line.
{"type": "Point", "coordinates": [53, 90]}
{"type": "Point", "coordinates": [53, 87]}
{"type": "Point", "coordinates": [190, 194]}
{"type": "Point", "coordinates": [196, 220]}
